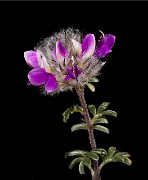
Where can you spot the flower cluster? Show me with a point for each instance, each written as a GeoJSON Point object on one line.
{"type": "Point", "coordinates": [66, 60]}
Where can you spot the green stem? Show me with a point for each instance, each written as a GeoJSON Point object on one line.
{"type": "Point", "coordinates": [102, 164]}
{"type": "Point", "coordinates": [80, 92]}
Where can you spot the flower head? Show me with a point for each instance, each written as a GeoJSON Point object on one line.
{"type": "Point", "coordinates": [67, 60]}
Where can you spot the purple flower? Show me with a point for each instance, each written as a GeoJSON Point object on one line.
{"type": "Point", "coordinates": [71, 61]}
{"type": "Point", "coordinates": [87, 48]}
{"type": "Point", "coordinates": [105, 45]}
{"type": "Point", "coordinates": [41, 72]}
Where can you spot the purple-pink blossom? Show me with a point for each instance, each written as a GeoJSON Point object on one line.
{"type": "Point", "coordinates": [67, 60]}
{"type": "Point", "coordinates": [39, 76]}
{"type": "Point", "coordinates": [104, 46]}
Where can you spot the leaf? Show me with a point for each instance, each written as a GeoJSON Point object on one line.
{"type": "Point", "coordinates": [103, 157]}
{"type": "Point", "coordinates": [93, 80]}
{"type": "Point", "coordinates": [87, 161]}
{"type": "Point", "coordinates": [75, 161]}
{"type": "Point", "coordinates": [92, 109]}
{"type": "Point", "coordinates": [124, 160]}
{"type": "Point", "coordinates": [77, 108]}
{"type": "Point", "coordinates": [76, 153]}
{"type": "Point", "coordinates": [81, 126]}
{"type": "Point", "coordinates": [101, 128]}
{"type": "Point", "coordinates": [92, 155]}
{"type": "Point", "coordinates": [90, 169]}
{"type": "Point", "coordinates": [66, 114]}
{"type": "Point", "coordinates": [111, 152]}
{"type": "Point", "coordinates": [122, 154]}
{"type": "Point", "coordinates": [102, 107]}
{"type": "Point", "coordinates": [127, 161]}
{"type": "Point", "coordinates": [110, 113]}
{"type": "Point", "coordinates": [91, 87]}
{"type": "Point", "coordinates": [101, 120]}
{"type": "Point", "coordinates": [81, 168]}
{"type": "Point", "coordinates": [100, 151]}
{"type": "Point", "coordinates": [71, 110]}
{"type": "Point", "coordinates": [117, 159]}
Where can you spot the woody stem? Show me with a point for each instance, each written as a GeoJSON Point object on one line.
{"type": "Point", "coordinates": [80, 92]}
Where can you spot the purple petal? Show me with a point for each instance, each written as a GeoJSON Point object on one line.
{"type": "Point", "coordinates": [67, 77]}
{"type": "Point", "coordinates": [38, 76]}
{"type": "Point", "coordinates": [108, 40]}
{"type": "Point", "coordinates": [88, 46]}
{"type": "Point", "coordinates": [61, 51]}
{"type": "Point", "coordinates": [73, 74]}
{"type": "Point", "coordinates": [54, 53]}
{"type": "Point", "coordinates": [77, 71]}
{"type": "Point", "coordinates": [31, 58]}
{"type": "Point", "coordinates": [105, 46]}
{"type": "Point", "coordinates": [102, 51]}
{"type": "Point", "coordinates": [51, 84]}
{"type": "Point", "coordinates": [70, 73]}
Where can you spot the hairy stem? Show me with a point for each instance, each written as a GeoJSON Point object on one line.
{"type": "Point", "coordinates": [80, 92]}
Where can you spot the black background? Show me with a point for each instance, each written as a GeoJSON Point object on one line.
{"type": "Point", "coordinates": [34, 137]}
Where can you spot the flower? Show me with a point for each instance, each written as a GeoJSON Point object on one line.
{"type": "Point", "coordinates": [67, 60]}
{"type": "Point", "coordinates": [105, 45]}
{"type": "Point", "coordinates": [40, 74]}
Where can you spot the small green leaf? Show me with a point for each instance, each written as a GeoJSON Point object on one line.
{"type": "Point", "coordinates": [93, 80]}
{"type": "Point", "coordinates": [110, 113]}
{"type": "Point", "coordinates": [66, 114]}
{"type": "Point", "coordinates": [91, 87]}
{"type": "Point", "coordinates": [101, 120]}
{"type": "Point", "coordinates": [74, 162]}
{"type": "Point", "coordinates": [127, 161]}
{"type": "Point", "coordinates": [90, 169]}
{"type": "Point", "coordinates": [71, 110]}
{"type": "Point", "coordinates": [101, 128]}
{"type": "Point", "coordinates": [92, 155]}
{"type": "Point", "coordinates": [111, 152]}
{"type": "Point", "coordinates": [76, 153]}
{"type": "Point", "coordinates": [81, 126]}
{"type": "Point", "coordinates": [122, 154]}
{"type": "Point", "coordinates": [92, 109]}
{"type": "Point", "coordinates": [87, 161]}
{"type": "Point", "coordinates": [77, 108]}
{"type": "Point", "coordinates": [124, 160]}
{"type": "Point", "coordinates": [100, 151]}
{"type": "Point", "coordinates": [103, 157]}
{"type": "Point", "coordinates": [117, 159]}
{"type": "Point", "coordinates": [102, 107]}
{"type": "Point", "coordinates": [81, 168]}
